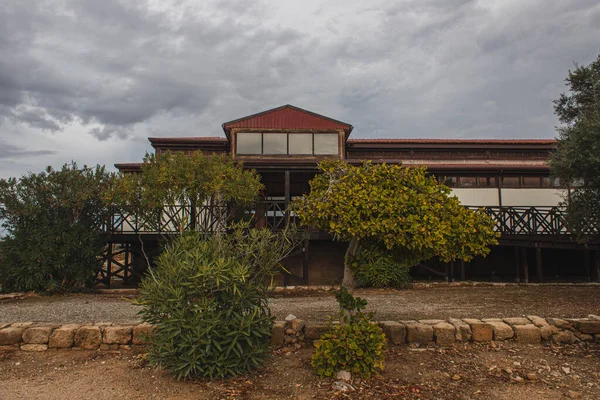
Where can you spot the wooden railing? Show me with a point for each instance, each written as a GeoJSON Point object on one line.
{"type": "Point", "coordinates": [273, 214]}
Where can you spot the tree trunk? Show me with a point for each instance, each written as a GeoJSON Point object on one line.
{"type": "Point", "coordinates": [348, 281]}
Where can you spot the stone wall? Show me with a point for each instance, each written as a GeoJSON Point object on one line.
{"type": "Point", "coordinates": [291, 334]}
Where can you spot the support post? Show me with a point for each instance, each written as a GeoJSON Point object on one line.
{"type": "Point", "coordinates": [597, 265]}
{"type": "Point", "coordinates": [287, 196]}
{"type": "Point", "coordinates": [447, 268]}
{"type": "Point", "coordinates": [538, 263]}
{"type": "Point", "coordinates": [586, 265]}
{"type": "Point", "coordinates": [452, 263]}
{"type": "Point", "coordinates": [109, 256]}
{"type": "Point", "coordinates": [127, 266]}
{"type": "Point", "coordinates": [517, 266]}
{"type": "Point", "coordinates": [462, 270]}
{"type": "Point", "coordinates": [525, 265]}
{"type": "Point", "coordinates": [305, 261]}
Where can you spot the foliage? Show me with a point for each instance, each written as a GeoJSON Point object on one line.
{"type": "Point", "coordinates": [374, 266]}
{"type": "Point", "coordinates": [576, 160]}
{"type": "Point", "coordinates": [357, 345]}
{"type": "Point", "coordinates": [176, 179]}
{"type": "Point", "coordinates": [53, 220]}
{"type": "Point", "coordinates": [397, 207]}
{"type": "Point", "coordinates": [207, 298]}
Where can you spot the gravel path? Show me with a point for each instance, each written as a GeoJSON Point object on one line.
{"type": "Point", "coordinates": [440, 302]}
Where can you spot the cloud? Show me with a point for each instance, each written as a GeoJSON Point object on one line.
{"type": "Point", "coordinates": [108, 73]}
{"type": "Point", "coordinates": [8, 150]}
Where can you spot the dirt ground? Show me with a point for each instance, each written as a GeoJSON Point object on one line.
{"type": "Point", "coordinates": [466, 371]}
{"type": "Point", "coordinates": [438, 302]}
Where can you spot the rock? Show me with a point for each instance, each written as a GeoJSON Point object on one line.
{"type": "Point", "coordinates": [419, 333]}
{"type": "Point", "coordinates": [517, 321]}
{"type": "Point", "coordinates": [597, 338]}
{"type": "Point", "coordinates": [290, 318]}
{"type": "Point", "coordinates": [22, 325]}
{"type": "Point", "coordinates": [117, 335]}
{"type": "Point", "coordinates": [277, 332]}
{"type": "Point", "coordinates": [36, 335]}
{"type": "Point", "coordinates": [564, 337]}
{"type": "Point", "coordinates": [463, 330]}
{"type": "Point", "coordinates": [34, 347]}
{"type": "Point", "coordinates": [481, 332]}
{"type": "Point", "coordinates": [10, 336]}
{"type": "Point", "coordinates": [394, 331]}
{"type": "Point", "coordinates": [538, 321]}
{"type": "Point", "coordinates": [547, 331]}
{"type": "Point", "coordinates": [566, 370]}
{"type": "Point", "coordinates": [584, 337]}
{"type": "Point", "coordinates": [590, 327]}
{"type": "Point", "coordinates": [594, 317]}
{"type": "Point", "coordinates": [531, 376]}
{"type": "Point", "coordinates": [527, 333]}
{"type": "Point", "coordinates": [559, 323]}
{"type": "Point", "coordinates": [431, 321]}
{"type": "Point", "coordinates": [315, 331]}
{"type": "Point", "coordinates": [517, 379]}
{"type": "Point", "coordinates": [62, 337]}
{"type": "Point", "coordinates": [456, 377]}
{"type": "Point", "coordinates": [471, 321]}
{"type": "Point", "coordinates": [341, 386]}
{"type": "Point", "coordinates": [4, 325]}
{"type": "Point", "coordinates": [573, 394]}
{"type": "Point", "coordinates": [444, 333]}
{"type": "Point", "coordinates": [297, 325]}
{"type": "Point", "coordinates": [501, 330]}
{"type": "Point", "coordinates": [140, 334]}
{"type": "Point", "coordinates": [88, 337]}
{"type": "Point", "coordinates": [290, 331]}
{"type": "Point", "coordinates": [344, 376]}
{"type": "Point", "coordinates": [508, 370]}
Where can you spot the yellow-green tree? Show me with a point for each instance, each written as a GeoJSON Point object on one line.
{"type": "Point", "coordinates": [402, 208]}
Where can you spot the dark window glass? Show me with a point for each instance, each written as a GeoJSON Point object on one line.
{"type": "Point", "coordinates": [511, 181]}
{"type": "Point", "coordinates": [468, 181]}
{"type": "Point", "coordinates": [248, 143]}
{"type": "Point", "coordinates": [532, 181]}
{"type": "Point", "coordinates": [488, 181]}
{"type": "Point", "coordinates": [450, 181]}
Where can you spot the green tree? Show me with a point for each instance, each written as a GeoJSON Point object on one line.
{"type": "Point", "coordinates": [576, 160]}
{"type": "Point", "coordinates": [53, 222]}
{"type": "Point", "coordinates": [173, 186]}
{"type": "Point", "coordinates": [401, 208]}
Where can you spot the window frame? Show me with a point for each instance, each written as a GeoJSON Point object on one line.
{"type": "Point", "coordinates": [287, 136]}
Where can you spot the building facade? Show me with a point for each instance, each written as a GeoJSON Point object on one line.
{"type": "Point", "coordinates": [509, 177]}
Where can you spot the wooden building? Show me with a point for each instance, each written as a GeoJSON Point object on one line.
{"type": "Point", "coordinates": [510, 178]}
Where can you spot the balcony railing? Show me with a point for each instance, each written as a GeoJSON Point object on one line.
{"type": "Point", "coordinates": [273, 214]}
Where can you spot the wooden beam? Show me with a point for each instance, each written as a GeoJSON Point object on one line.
{"type": "Point", "coordinates": [586, 265]}
{"type": "Point", "coordinates": [538, 263]}
{"type": "Point", "coordinates": [525, 264]}
{"type": "Point", "coordinates": [517, 266]}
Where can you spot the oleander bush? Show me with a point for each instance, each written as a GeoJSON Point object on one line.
{"type": "Point", "coordinates": [207, 298]}
{"type": "Point", "coordinates": [52, 225]}
{"type": "Point", "coordinates": [356, 345]}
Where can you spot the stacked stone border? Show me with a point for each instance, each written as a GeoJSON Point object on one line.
{"type": "Point", "coordinates": [292, 333]}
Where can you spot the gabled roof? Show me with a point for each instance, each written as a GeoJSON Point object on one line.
{"type": "Point", "coordinates": [286, 117]}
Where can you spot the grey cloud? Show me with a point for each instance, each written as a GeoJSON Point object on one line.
{"type": "Point", "coordinates": [10, 151]}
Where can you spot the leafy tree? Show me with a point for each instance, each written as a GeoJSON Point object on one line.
{"type": "Point", "coordinates": [173, 186]}
{"type": "Point", "coordinates": [53, 222]}
{"type": "Point", "coordinates": [402, 209]}
{"type": "Point", "coordinates": [576, 160]}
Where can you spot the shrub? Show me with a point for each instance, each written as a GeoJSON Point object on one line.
{"type": "Point", "coordinates": [53, 224]}
{"type": "Point", "coordinates": [207, 298]}
{"type": "Point", "coordinates": [375, 266]}
{"type": "Point", "coordinates": [356, 345]}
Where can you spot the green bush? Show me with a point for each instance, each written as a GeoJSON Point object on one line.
{"type": "Point", "coordinates": [207, 298]}
{"type": "Point", "coordinates": [374, 266]}
{"type": "Point", "coordinates": [52, 222]}
{"type": "Point", "coordinates": [356, 345]}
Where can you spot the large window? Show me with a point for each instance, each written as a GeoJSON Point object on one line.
{"type": "Point", "coordinates": [267, 143]}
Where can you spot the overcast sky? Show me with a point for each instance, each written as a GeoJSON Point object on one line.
{"type": "Point", "coordinates": [90, 80]}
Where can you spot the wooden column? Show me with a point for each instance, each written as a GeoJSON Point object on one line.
{"type": "Point", "coordinates": [538, 263]}
{"type": "Point", "coordinates": [586, 265]}
{"type": "Point", "coordinates": [462, 270]}
{"type": "Point", "coordinates": [287, 196]}
{"type": "Point", "coordinates": [597, 265]}
{"type": "Point", "coordinates": [305, 261]}
{"type": "Point", "coordinates": [525, 264]}
{"type": "Point", "coordinates": [517, 266]}
{"type": "Point", "coordinates": [447, 267]}
{"type": "Point", "coordinates": [452, 264]}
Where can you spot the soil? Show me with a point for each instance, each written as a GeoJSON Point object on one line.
{"type": "Point", "coordinates": [465, 371]}
{"type": "Point", "coordinates": [426, 303]}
